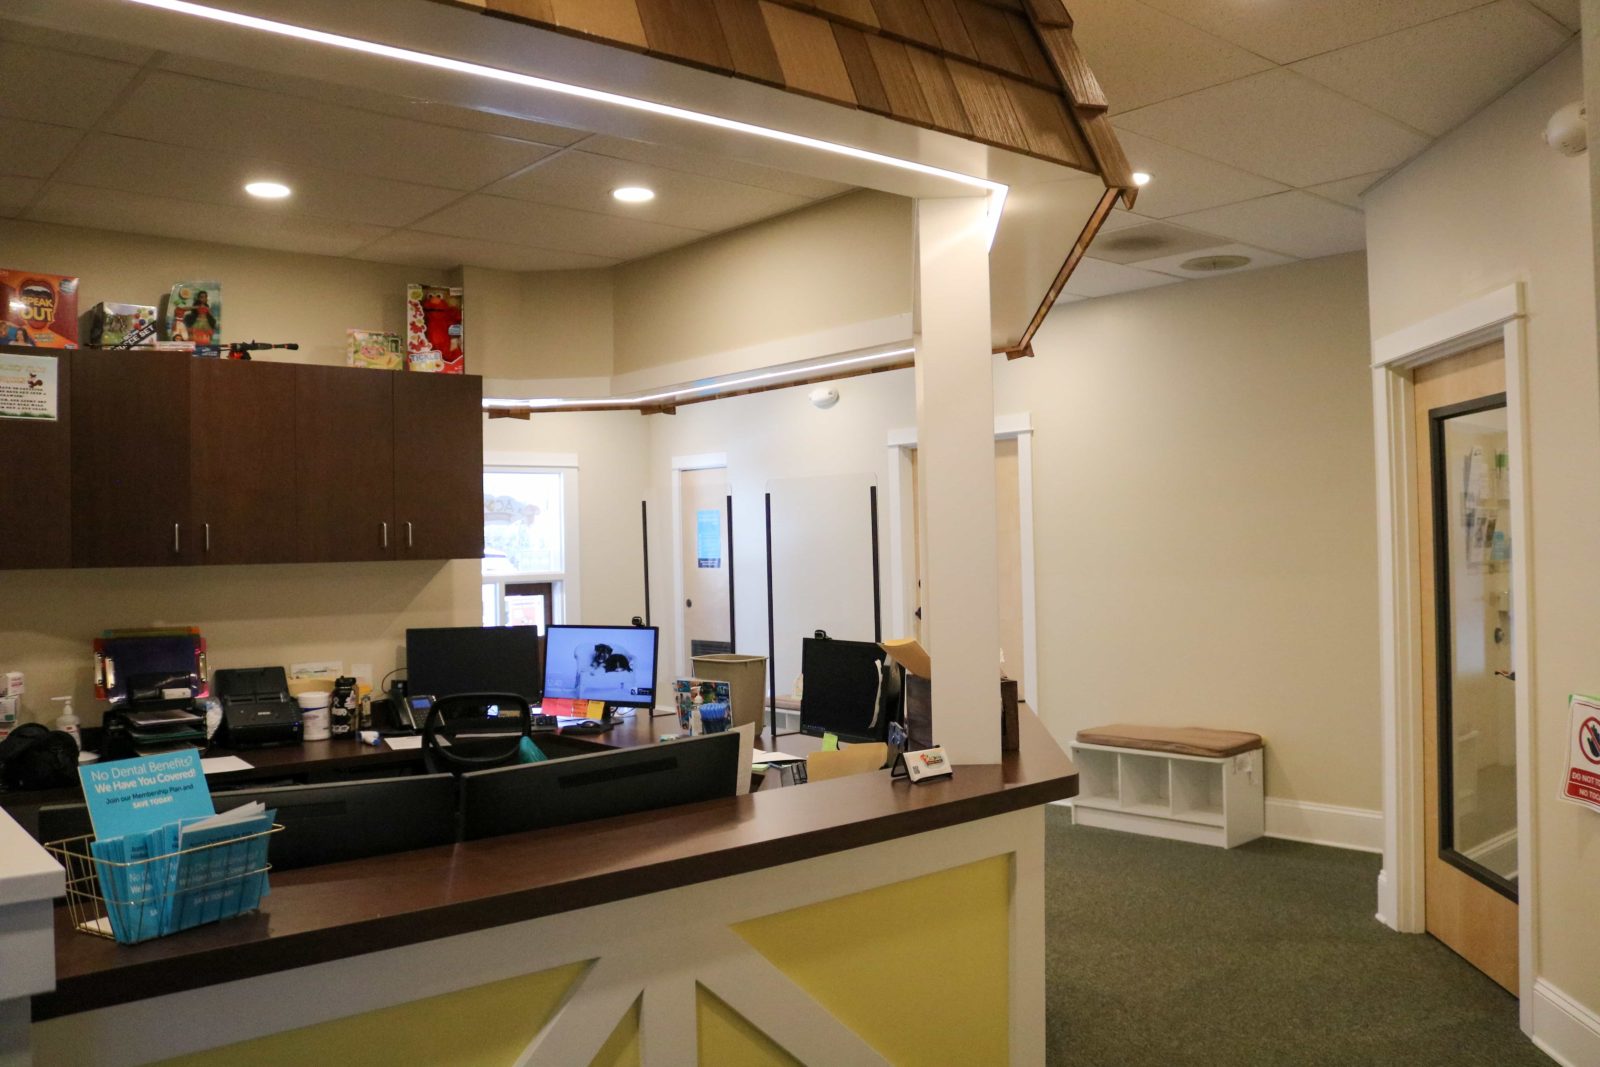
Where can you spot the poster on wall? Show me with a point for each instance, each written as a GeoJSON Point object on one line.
{"type": "Point", "coordinates": [28, 387]}
{"type": "Point", "coordinates": [1582, 780]}
{"type": "Point", "coordinates": [708, 537]}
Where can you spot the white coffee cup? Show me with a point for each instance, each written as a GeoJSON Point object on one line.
{"type": "Point", "coordinates": [314, 716]}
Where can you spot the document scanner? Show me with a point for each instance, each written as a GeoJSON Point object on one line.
{"type": "Point", "coordinates": [257, 709]}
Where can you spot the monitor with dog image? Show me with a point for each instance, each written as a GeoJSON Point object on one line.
{"type": "Point", "coordinates": [616, 664]}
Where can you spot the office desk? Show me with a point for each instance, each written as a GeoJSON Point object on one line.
{"type": "Point", "coordinates": [732, 896]}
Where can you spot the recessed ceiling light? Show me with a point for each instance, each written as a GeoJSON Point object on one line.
{"type": "Point", "coordinates": [268, 190]}
{"type": "Point", "coordinates": [633, 194]}
{"type": "Point", "coordinates": [1140, 178]}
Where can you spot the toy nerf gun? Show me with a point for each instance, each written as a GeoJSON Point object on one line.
{"type": "Point", "coordinates": [242, 349]}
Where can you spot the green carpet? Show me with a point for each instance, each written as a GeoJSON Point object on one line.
{"type": "Point", "coordinates": [1168, 954]}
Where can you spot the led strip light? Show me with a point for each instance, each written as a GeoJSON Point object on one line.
{"type": "Point", "coordinates": [996, 191]}
{"type": "Point", "coordinates": [556, 403]}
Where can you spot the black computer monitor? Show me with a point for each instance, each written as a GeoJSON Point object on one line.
{"type": "Point", "coordinates": [851, 689]}
{"type": "Point", "coordinates": [340, 821]}
{"type": "Point", "coordinates": [536, 796]}
{"type": "Point", "coordinates": [443, 661]}
{"type": "Point", "coordinates": [616, 664]}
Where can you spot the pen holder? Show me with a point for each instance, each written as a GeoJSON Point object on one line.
{"type": "Point", "coordinates": [714, 718]}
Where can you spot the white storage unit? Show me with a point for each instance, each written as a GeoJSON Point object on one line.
{"type": "Point", "coordinates": [1205, 799]}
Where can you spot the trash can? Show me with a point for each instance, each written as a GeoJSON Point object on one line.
{"type": "Point", "coordinates": [747, 683]}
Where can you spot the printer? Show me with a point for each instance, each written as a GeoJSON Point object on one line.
{"type": "Point", "coordinates": [257, 709]}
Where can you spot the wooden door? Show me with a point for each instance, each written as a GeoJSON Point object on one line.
{"type": "Point", "coordinates": [36, 483]}
{"type": "Point", "coordinates": [130, 459]}
{"type": "Point", "coordinates": [244, 503]}
{"type": "Point", "coordinates": [344, 463]}
{"type": "Point", "coordinates": [703, 497]}
{"type": "Point", "coordinates": [1469, 907]}
{"type": "Point", "coordinates": [438, 466]}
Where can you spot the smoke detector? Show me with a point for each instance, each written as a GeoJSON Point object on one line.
{"type": "Point", "coordinates": [824, 398]}
{"type": "Point", "coordinates": [1568, 129]}
{"type": "Point", "coordinates": [1207, 264]}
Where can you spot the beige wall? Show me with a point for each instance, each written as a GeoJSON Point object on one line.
{"type": "Point", "coordinates": [843, 262]}
{"type": "Point", "coordinates": [539, 325]}
{"type": "Point", "coordinates": [266, 296]}
{"type": "Point", "coordinates": [1487, 206]}
{"type": "Point", "coordinates": [1204, 517]}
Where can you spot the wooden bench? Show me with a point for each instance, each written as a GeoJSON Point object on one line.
{"type": "Point", "coordinates": [1189, 783]}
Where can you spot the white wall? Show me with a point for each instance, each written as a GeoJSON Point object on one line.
{"type": "Point", "coordinates": [1487, 206]}
{"type": "Point", "coordinates": [1204, 516]}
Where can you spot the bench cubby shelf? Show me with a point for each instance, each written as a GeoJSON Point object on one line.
{"type": "Point", "coordinates": [1203, 799]}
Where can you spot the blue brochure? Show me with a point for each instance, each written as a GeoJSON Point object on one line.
{"type": "Point", "coordinates": [133, 796]}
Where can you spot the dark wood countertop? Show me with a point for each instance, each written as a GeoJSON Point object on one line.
{"type": "Point", "coordinates": [318, 914]}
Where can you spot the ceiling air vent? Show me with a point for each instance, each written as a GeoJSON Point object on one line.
{"type": "Point", "coordinates": [1213, 263]}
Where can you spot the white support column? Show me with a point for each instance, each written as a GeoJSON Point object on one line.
{"type": "Point", "coordinates": [955, 463]}
{"type": "Point", "coordinates": [30, 879]}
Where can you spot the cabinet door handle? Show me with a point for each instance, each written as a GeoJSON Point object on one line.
{"type": "Point", "coordinates": [385, 534]}
{"type": "Point", "coordinates": [208, 536]}
{"type": "Point", "coordinates": [408, 536]}
{"type": "Point", "coordinates": [176, 543]}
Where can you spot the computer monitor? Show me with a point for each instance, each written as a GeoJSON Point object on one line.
{"type": "Point", "coordinates": [558, 792]}
{"type": "Point", "coordinates": [337, 821]}
{"type": "Point", "coordinates": [851, 689]}
{"type": "Point", "coordinates": [616, 664]}
{"type": "Point", "coordinates": [443, 661]}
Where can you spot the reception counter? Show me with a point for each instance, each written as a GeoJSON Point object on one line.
{"type": "Point", "coordinates": [857, 920]}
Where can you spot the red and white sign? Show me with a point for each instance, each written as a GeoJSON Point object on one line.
{"type": "Point", "coordinates": [1582, 783]}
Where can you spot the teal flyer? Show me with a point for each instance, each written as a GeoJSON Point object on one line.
{"type": "Point", "coordinates": [133, 796]}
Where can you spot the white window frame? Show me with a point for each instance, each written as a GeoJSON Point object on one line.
{"type": "Point", "coordinates": [567, 607]}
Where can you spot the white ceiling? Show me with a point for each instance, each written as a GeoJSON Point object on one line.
{"type": "Point", "coordinates": [1263, 122]}
{"type": "Point", "coordinates": [120, 138]}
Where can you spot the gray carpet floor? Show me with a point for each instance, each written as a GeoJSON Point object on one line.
{"type": "Point", "coordinates": [1168, 954]}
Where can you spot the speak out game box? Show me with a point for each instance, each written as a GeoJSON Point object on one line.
{"type": "Point", "coordinates": [39, 310]}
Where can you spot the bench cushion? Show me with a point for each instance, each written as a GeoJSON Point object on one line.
{"type": "Point", "coordinates": [1180, 740]}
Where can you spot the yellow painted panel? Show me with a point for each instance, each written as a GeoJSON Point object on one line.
{"type": "Point", "coordinates": [727, 1037]}
{"type": "Point", "coordinates": [622, 1047]}
{"type": "Point", "coordinates": [486, 1026]}
{"type": "Point", "coordinates": [898, 963]}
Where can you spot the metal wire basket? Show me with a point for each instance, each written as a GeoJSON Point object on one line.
{"type": "Point", "coordinates": [162, 894]}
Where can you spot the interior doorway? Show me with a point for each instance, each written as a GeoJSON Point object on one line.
{"type": "Point", "coordinates": [705, 564]}
{"type": "Point", "coordinates": [1468, 702]}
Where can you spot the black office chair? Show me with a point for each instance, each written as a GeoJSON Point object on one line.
{"type": "Point", "coordinates": [475, 731]}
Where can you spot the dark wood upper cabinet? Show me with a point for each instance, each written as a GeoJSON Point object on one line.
{"type": "Point", "coordinates": [438, 466]}
{"type": "Point", "coordinates": [130, 459]}
{"type": "Point", "coordinates": [344, 463]}
{"type": "Point", "coordinates": [36, 483]}
{"type": "Point", "coordinates": [243, 490]}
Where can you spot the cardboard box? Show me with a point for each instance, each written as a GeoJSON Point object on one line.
{"type": "Point", "coordinates": [39, 310]}
{"type": "Point", "coordinates": [435, 341]}
{"type": "Point", "coordinates": [109, 325]}
{"type": "Point", "coordinates": [374, 349]}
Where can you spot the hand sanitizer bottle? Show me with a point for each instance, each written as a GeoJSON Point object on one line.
{"type": "Point", "coordinates": [68, 722]}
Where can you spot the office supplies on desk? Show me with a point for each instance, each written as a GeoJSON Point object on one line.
{"type": "Point", "coordinates": [257, 709]}
{"type": "Point", "coordinates": [153, 680]}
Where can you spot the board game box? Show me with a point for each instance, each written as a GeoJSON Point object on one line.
{"type": "Point", "coordinates": [39, 310]}
{"type": "Point", "coordinates": [375, 349]}
{"type": "Point", "coordinates": [126, 325]}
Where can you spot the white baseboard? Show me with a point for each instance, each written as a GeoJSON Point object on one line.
{"type": "Point", "coordinates": [1325, 824]}
{"type": "Point", "coordinates": [1565, 1030]}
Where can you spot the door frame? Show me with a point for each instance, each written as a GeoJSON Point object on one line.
{"type": "Point", "coordinates": [704, 461]}
{"type": "Point", "coordinates": [1495, 316]}
{"type": "Point", "coordinates": [902, 524]}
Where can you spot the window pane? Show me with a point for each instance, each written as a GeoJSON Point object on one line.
{"type": "Point", "coordinates": [522, 524]}
{"type": "Point", "coordinates": [488, 605]}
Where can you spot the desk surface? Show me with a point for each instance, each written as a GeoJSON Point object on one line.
{"type": "Point", "coordinates": [318, 914]}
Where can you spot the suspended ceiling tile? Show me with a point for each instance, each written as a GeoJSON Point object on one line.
{"type": "Point", "coordinates": [429, 111]}
{"type": "Point", "coordinates": [110, 209]}
{"type": "Point", "coordinates": [1434, 77]}
{"type": "Point", "coordinates": [1281, 126]}
{"type": "Point", "coordinates": [278, 129]}
{"type": "Point", "coordinates": [41, 85]}
{"type": "Point", "coordinates": [16, 193]}
{"type": "Point", "coordinates": [1563, 11]}
{"type": "Point", "coordinates": [111, 162]}
{"type": "Point", "coordinates": [34, 149]}
{"type": "Point", "coordinates": [1150, 241]}
{"type": "Point", "coordinates": [580, 180]}
{"type": "Point", "coordinates": [1293, 223]}
{"type": "Point", "coordinates": [1174, 265]}
{"type": "Point", "coordinates": [1098, 277]}
{"type": "Point", "coordinates": [55, 41]}
{"type": "Point", "coordinates": [1141, 55]}
{"type": "Point", "coordinates": [1348, 191]}
{"type": "Point", "coordinates": [499, 218]}
{"type": "Point", "coordinates": [1284, 31]}
{"type": "Point", "coordinates": [1182, 181]}
{"type": "Point", "coordinates": [438, 250]}
{"type": "Point", "coordinates": [674, 158]}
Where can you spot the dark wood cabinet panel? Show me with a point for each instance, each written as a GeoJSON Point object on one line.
{"type": "Point", "coordinates": [130, 458]}
{"type": "Point", "coordinates": [344, 463]}
{"type": "Point", "coordinates": [438, 466]}
{"type": "Point", "coordinates": [243, 462]}
{"type": "Point", "coordinates": [36, 484]}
